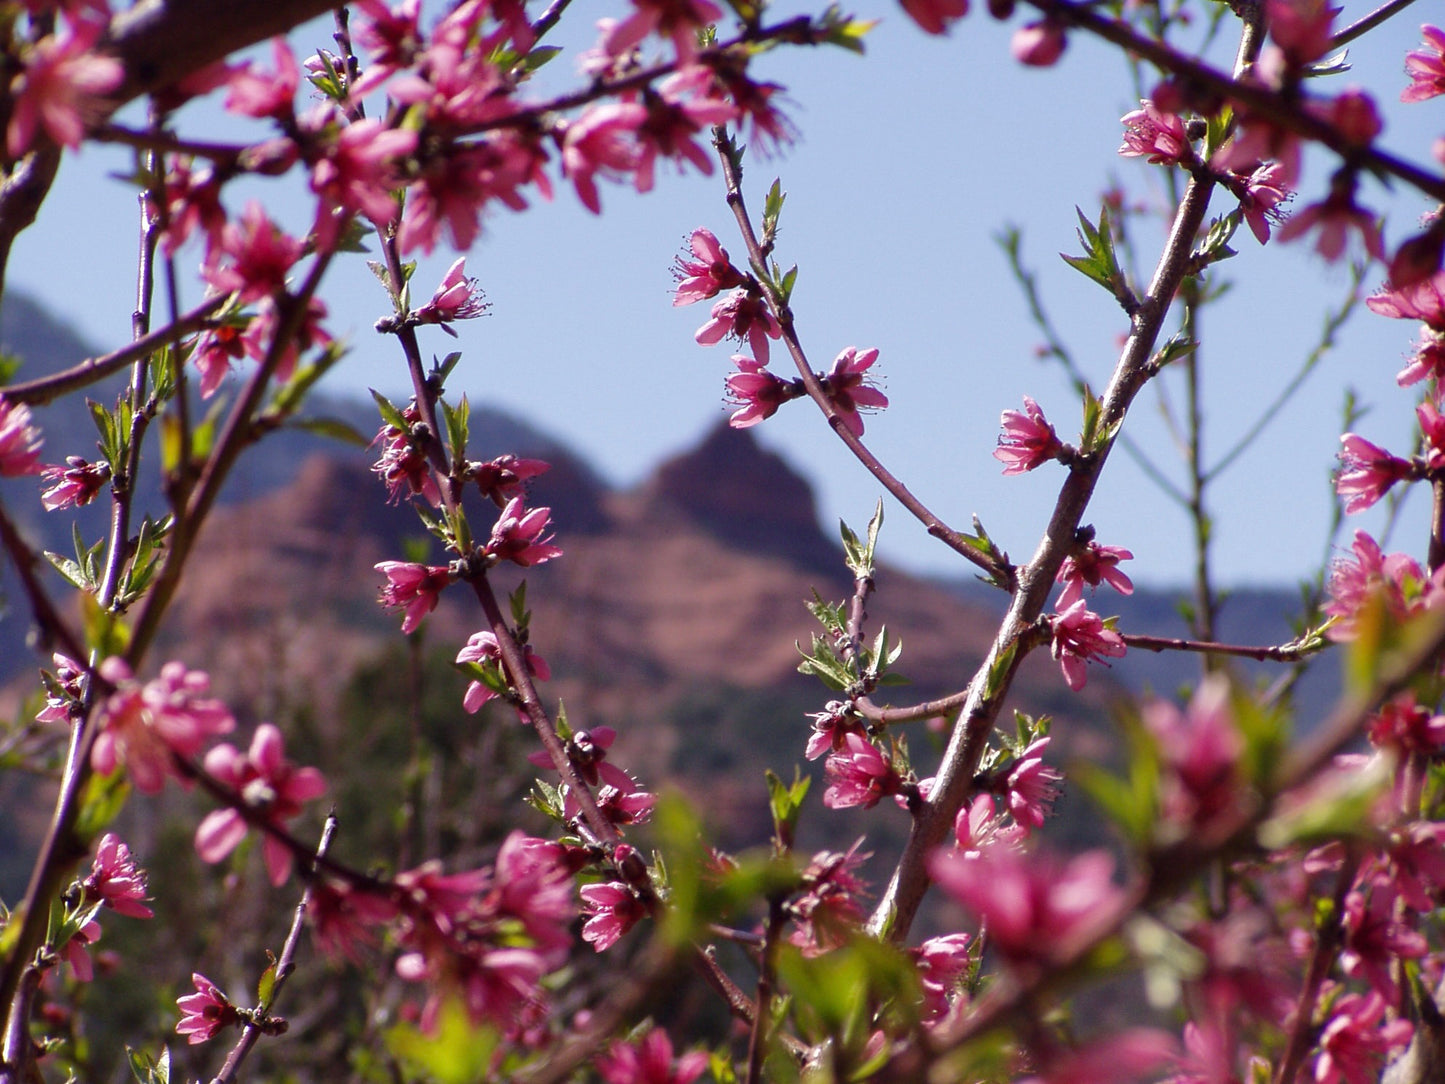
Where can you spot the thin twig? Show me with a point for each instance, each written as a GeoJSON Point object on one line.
{"type": "Point", "coordinates": [935, 526]}
{"type": "Point", "coordinates": [285, 964]}
{"type": "Point", "coordinates": [1365, 24]}
{"type": "Point", "coordinates": [1292, 652]}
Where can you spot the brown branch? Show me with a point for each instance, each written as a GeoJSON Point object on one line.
{"type": "Point", "coordinates": [1292, 652]}
{"type": "Point", "coordinates": [935, 526]}
{"type": "Point", "coordinates": [930, 710]}
{"type": "Point", "coordinates": [285, 964]}
{"type": "Point", "coordinates": [1269, 105]}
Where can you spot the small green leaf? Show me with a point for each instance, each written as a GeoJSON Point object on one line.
{"type": "Point", "coordinates": [149, 1070]}
{"type": "Point", "coordinates": [786, 802]}
{"type": "Point", "coordinates": [266, 986]}
{"type": "Point", "coordinates": [332, 428]}
{"type": "Point", "coordinates": [456, 1051]}
{"type": "Point", "coordinates": [389, 413]}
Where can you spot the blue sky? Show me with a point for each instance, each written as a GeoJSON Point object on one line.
{"type": "Point", "coordinates": [909, 162]}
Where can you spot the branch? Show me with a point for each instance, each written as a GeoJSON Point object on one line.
{"type": "Point", "coordinates": [1291, 652]}
{"type": "Point", "coordinates": [936, 527]}
{"type": "Point", "coordinates": [284, 965]}
{"type": "Point", "coordinates": [990, 685]}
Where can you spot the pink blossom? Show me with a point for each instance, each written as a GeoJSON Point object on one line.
{"type": "Point", "coordinates": [1353, 115]}
{"type": "Point", "coordinates": [678, 20]}
{"type": "Point", "coordinates": [1407, 728]}
{"type": "Point", "coordinates": [672, 124]}
{"type": "Point", "coordinates": [266, 94]}
{"type": "Point", "coordinates": [391, 37]}
{"type": "Point", "coordinates": [533, 887]}
{"type": "Point", "coordinates": [858, 775]}
{"type": "Point", "coordinates": [20, 441]}
{"type": "Point", "coordinates": [934, 16]}
{"type": "Point", "coordinates": [73, 484]}
{"type": "Point", "coordinates": [482, 648]}
{"type": "Point", "coordinates": [402, 464]}
{"type": "Point", "coordinates": [1367, 472]}
{"type": "Point", "coordinates": [757, 392]}
{"type": "Point", "coordinates": [587, 753]}
{"type": "Point", "coordinates": [1426, 67]}
{"type": "Point", "coordinates": [613, 909]}
{"type": "Point", "coordinates": [1432, 430]}
{"type": "Point", "coordinates": [253, 258]}
{"type": "Point", "coordinates": [1336, 217]}
{"type": "Point", "coordinates": [345, 919]}
{"type": "Point", "coordinates": [830, 727]}
{"type": "Point", "coordinates": [850, 391]}
{"type": "Point", "coordinates": [1039, 44]}
{"type": "Point", "coordinates": [1157, 134]}
{"type": "Point", "coordinates": [518, 536]}
{"type": "Point", "coordinates": [942, 963]}
{"type": "Point", "coordinates": [504, 478]}
{"type": "Point", "coordinates": [1376, 939]}
{"type": "Point", "coordinates": [456, 184]}
{"type": "Point", "coordinates": [76, 951]}
{"type": "Point", "coordinates": [273, 789]}
{"type": "Point", "coordinates": [457, 298]}
{"type": "Point", "coordinates": [116, 880]}
{"type": "Point", "coordinates": [1200, 748]}
{"type": "Point", "coordinates": [145, 726]}
{"type": "Point", "coordinates": [206, 1013]}
{"type": "Point", "coordinates": [1265, 191]}
{"type": "Point", "coordinates": [1079, 635]}
{"type": "Point", "coordinates": [61, 87]}
{"type": "Point", "coordinates": [1412, 867]}
{"type": "Point", "coordinates": [707, 274]}
{"type": "Point", "coordinates": [1301, 28]}
{"type": "Point", "coordinates": [1396, 579]}
{"type": "Point", "coordinates": [1027, 440]}
{"type": "Point", "coordinates": [621, 799]}
{"type": "Point", "coordinates": [742, 316]}
{"type": "Point", "coordinates": [1031, 905]}
{"type": "Point", "coordinates": [1033, 786]}
{"type": "Point", "coordinates": [1256, 141]}
{"type": "Point", "coordinates": [1428, 361]}
{"type": "Point", "coordinates": [1093, 565]}
{"type": "Point", "coordinates": [64, 690]}
{"type": "Point", "coordinates": [829, 912]}
{"type": "Point", "coordinates": [649, 1061]}
{"type": "Point", "coordinates": [1423, 300]}
{"type": "Point", "coordinates": [1353, 1045]}
{"type": "Point", "coordinates": [213, 354]}
{"type": "Point", "coordinates": [416, 587]}
{"type": "Point", "coordinates": [260, 335]}
{"type": "Point", "coordinates": [602, 141]}
{"type": "Point", "coordinates": [358, 170]}
{"type": "Point", "coordinates": [976, 827]}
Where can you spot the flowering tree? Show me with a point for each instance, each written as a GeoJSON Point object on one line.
{"type": "Point", "coordinates": [1283, 899]}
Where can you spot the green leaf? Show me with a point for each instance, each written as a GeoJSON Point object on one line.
{"type": "Point", "coordinates": [456, 420]}
{"type": "Point", "coordinates": [1099, 262]}
{"type": "Point", "coordinates": [458, 1051]}
{"type": "Point", "coordinates": [149, 1070]}
{"type": "Point", "coordinates": [539, 56]}
{"type": "Point", "coordinates": [101, 800]}
{"type": "Point", "coordinates": [266, 986]}
{"type": "Point", "coordinates": [389, 413]}
{"type": "Point", "coordinates": [844, 31]}
{"type": "Point", "coordinates": [332, 428]}
{"type": "Point", "coordinates": [786, 803]}
{"type": "Point", "coordinates": [441, 370]}
{"type": "Point", "coordinates": [1338, 806]}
